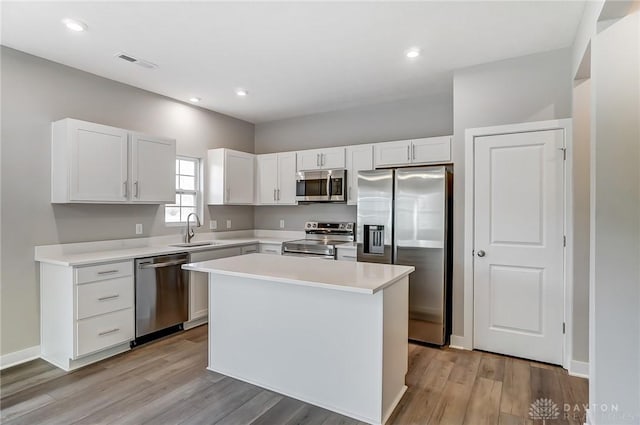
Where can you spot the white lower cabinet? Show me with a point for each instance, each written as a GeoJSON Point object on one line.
{"type": "Point", "coordinates": [199, 285]}
{"type": "Point", "coordinates": [267, 248]}
{"type": "Point", "coordinates": [346, 254]}
{"type": "Point", "coordinates": [86, 312]}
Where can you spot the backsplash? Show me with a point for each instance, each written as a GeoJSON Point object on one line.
{"type": "Point", "coordinates": [294, 216]}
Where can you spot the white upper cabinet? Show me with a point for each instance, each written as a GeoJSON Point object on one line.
{"type": "Point", "coordinates": [418, 151]}
{"type": "Point", "coordinates": [267, 179]}
{"type": "Point", "coordinates": [321, 159]}
{"type": "Point", "coordinates": [153, 169]}
{"type": "Point", "coordinates": [392, 153]}
{"type": "Point", "coordinates": [276, 179]}
{"type": "Point", "coordinates": [287, 178]}
{"type": "Point", "coordinates": [359, 158]}
{"type": "Point", "coordinates": [90, 164]}
{"type": "Point", "coordinates": [431, 149]}
{"type": "Point", "coordinates": [231, 177]}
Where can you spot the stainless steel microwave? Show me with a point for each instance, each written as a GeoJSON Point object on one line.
{"type": "Point", "coordinates": [321, 186]}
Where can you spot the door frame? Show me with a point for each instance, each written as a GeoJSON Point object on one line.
{"type": "Point", "coordinates": [469, 183]}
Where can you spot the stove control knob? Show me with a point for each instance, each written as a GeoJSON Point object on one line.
{"type": "Point", "coordinates": [308, 225]}
{"type": "Point", "coordinates": [315, 225]}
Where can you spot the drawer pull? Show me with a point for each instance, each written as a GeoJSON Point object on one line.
{"type": "Point", "coordinates": [108, 297]}
{"type": "Point", "coordinates": [108, 332]}
{"type": "Point", "coordinates": [348, 256]}
{"type": "Point", "coordinates": [108, 271]}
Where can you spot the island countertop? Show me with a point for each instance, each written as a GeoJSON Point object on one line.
{"type": "Point", "coordinates": [366, 278]}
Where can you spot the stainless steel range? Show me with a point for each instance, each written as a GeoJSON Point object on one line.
{"type": "Point", "coordinates": [321, 240]}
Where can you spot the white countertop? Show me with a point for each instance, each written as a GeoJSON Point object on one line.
{"type": "Point", "coordinates": [78, 254]}
{"type": "Point", "coordinates": [365, 278]}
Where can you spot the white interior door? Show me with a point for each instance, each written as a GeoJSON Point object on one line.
{"type": "Point", "coordinates": [518, 244]}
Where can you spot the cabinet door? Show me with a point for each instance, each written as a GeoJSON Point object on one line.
{"type": "Point", "coordinates": [332, 159]}
{"type": "Point", "coordinates": [153, 169]}
{"type": "Point", "coordinates": [199, 282]}
{"type": "Point", "coordinates": [273, 249]}
{"type": "Point", "coordinates": [98, 169]}
{"type": "Point", "coordinates": [392, 153]}
{"type": "Point", "coordinates": [238, 170]}
{"type": "Point", "coordinates": [431, 149]}
{"type": "Point", "coordinates": [359, 158]}
{"type": "Point", "coordinates": [287, 178]}
{"type": "Point", "coordinates": [308, 160]}
{"type": "Point", "coordinates": [267, 179]}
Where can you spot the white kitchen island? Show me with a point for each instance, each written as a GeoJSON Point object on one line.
{"type": "Point", "coordinates": [330, 333]}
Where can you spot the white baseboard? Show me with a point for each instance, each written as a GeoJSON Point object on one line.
{"type": "Point", "coordinates": [580, 369]}
{"type": "Point", "coordinates": [17, 357]}
{"type": "Point", "coordinates": [457, 341]}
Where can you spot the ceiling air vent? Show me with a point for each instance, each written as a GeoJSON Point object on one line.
{"type": "Point", "coordinates": [140, 62]}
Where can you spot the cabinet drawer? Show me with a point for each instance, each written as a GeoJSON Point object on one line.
{"type": "Point", "coordinates": [104, 331]}
{"type": "Point", "coordinates": [104, 271]}
{"type": "Point", "coordinates": [104, 297]}
{"type": "Point", "coordinates": [270, 249]}
{"type": "Point", "coordinates": [250, 249]}
{"type": "Point", "coordinates": [347, 255]}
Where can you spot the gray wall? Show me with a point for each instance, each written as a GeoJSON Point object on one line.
{"type": "Point", "coordinates": [524, 89]}
{"type": "Point", "coordinates": [36, 92]}
{"type": "Point", "coordinates": [614, 339]}
{"type": "Point", "coordinates": [418, 117]}
{"type": "Point", "coordinates": [581, 206]}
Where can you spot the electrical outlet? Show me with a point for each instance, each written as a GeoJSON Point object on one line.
{"type": "Point", "coordinates": [138, 229]}
{"type": "Point", "coordinates": [228, 224]}
{"type": "Point", "coordinates": [213, 224]}
{"type": "Point", "coordinates": [282, 224]}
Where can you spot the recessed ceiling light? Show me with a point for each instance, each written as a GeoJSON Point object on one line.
{"type": "Point", "coordinates": [194, 99]}
{"type": "Point", "coordinates": [413, 53]}
{"type": "Point", "coordinates": [74, 25]}
{"type": "Point", "coordinates": [242, 92]}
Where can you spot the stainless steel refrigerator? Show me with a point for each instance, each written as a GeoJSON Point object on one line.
{"type": "Point", "coordinates": [403, 218]}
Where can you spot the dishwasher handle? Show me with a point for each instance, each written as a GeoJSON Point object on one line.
{"type": "Point", "coordinates": [160, 265]}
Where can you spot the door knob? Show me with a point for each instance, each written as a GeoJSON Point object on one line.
{"type": "Point", "coordinates": [481, 253]}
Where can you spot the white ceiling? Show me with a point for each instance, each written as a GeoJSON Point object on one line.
{"type": "Point", "coordinates": [295, 58]}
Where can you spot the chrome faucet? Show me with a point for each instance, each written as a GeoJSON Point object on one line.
{"type": "Point", "coordinates": [190, 233]}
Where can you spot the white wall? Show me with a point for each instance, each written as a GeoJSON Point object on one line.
{"type": "Point", "coordinates": [36, 92]}
{"type": "Point", "coordinates": [614, 339]}
{"type": "Point", "coordinates": [524, 89]}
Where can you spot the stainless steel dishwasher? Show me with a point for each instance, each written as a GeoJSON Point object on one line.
{"type": "Point", "coordinates": [162, 295]}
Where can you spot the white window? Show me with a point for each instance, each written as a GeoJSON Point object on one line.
{"type": "Point", "coordinates": [188, 192]}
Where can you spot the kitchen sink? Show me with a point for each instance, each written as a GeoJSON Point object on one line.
{"type": "Point", "coordinates": [202, 243]}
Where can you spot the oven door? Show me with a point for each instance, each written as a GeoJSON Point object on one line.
{"type": "Point", "coordinates": [307, 255]}
{"type": "Point", "coordinates": [321, 186]}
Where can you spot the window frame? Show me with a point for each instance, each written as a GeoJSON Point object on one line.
{"type": "Point", "coordinates": [199, 207]}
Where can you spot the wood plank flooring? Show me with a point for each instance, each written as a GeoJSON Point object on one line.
{"type": "Point", "coordinates": [166, 382]}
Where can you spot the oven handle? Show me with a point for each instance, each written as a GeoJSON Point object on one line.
{"type": "Point", "coordinates": [161, 265]}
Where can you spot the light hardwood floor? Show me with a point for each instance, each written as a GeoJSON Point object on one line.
{"type": "Point", "coordinates": [165, 382]}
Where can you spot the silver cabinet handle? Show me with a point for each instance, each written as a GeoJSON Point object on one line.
{"type": "Point", "coordinates": [126, 189]}
{"type": "Point", "coordinates": [274, 195]}
{"type": "Point", "coordinates": [135, 187]}
{"type": "Point", "coordinates": [109, 297]}
{"type": "Point", "coordinates": [278, 196]}
{"type": "Point", "coordinates": [349, 195]}
{"type": "Point", "coordinates": [228, 194]}
{"type": "Point", "coordinates": [408, 152]}
{"type": "Point", "coordinates": [324, 158]}
{"type": "Point", "coordinates": [108, 271]}
{"type": "Point", "coordinates": [481, 253]}
{"type": "Point", "coordinates": [318, 159]}
{"type": "Point", "coordinates": [110, 331]}
{"type": "Point", "coordinates": [413, 151]}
